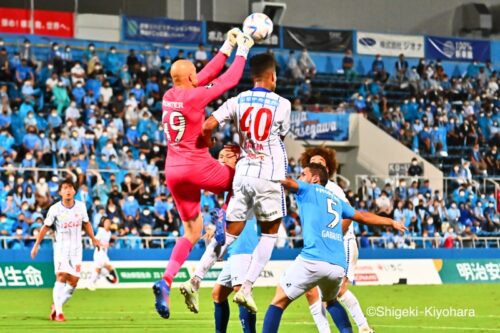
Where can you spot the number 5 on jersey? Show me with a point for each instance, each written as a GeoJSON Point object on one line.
{"type": "Point", "coordinates": [259, 127]}
{"type": "Point", "coordinates": [175, 123]}
{"type": "Point", "coordinates": [336, 217]}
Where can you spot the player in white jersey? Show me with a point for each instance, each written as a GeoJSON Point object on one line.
{"type": "Point", "coordinates": [263, 120]}
{"type": "Point", "coordinates": [68, 217]}
{"type": "Point", "coordinates": [326, 157]}
{"type": "Point", "coordinates": [102, 264]}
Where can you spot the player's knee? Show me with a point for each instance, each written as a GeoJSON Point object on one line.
{"type": "Point", "coordinates": [217, 296]}
{"type": "Point", "coordinates": [312, 295]}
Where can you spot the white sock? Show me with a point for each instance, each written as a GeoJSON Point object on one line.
{"type": "Point", "coordinates": [57, 294]}
{"type": "Point", "coordinates": [260, 257]}
{"type": "Point", "coordinates": [212, 252]}
{"type": "Point", "coordinates": [94, 277]}
{"type": "Point", "coordinates": [351, 303]}
{"type": "Point", "coordinates": [67, 293]}
{"type": "Point", "coordinates": [319, 315]}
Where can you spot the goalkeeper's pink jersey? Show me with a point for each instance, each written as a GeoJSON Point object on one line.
{"type": "Point", "coordinates": [184, 111]}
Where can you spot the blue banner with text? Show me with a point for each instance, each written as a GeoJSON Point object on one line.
{"type": "Point", "coordinates": [160, 30]}
{"type": "Point", "coordinates": [320, 126]}
{"type": "Point", "coordinates": [457, 49]}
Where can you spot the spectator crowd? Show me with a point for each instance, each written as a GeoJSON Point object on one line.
{"type": "Point", "coordinates": [95, 116]}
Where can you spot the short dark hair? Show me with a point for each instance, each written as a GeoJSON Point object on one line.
{"type": "Point", "coordinates": [318, 170]}
{"type": "Point", "coordinates": [67, 181]}
{"type": "Point", "coordinates": [260, 63]}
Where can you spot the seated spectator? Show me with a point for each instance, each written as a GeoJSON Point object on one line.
{"type": "Point", "coordinates": [348, 66]}
{"type": "Point", "coordinates": [415, 169]}
{"type": "Point", "coordinates": [293, 66]}
{"type": "Point", "coordinates": [401, 69]}
{"type": "Point", "coordinates": [306, 64]}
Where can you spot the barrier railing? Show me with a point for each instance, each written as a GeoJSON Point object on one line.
{"type": "Point", "coordinates": [374, 242]}
{"type": "Point", "coordinates": [432, 242]}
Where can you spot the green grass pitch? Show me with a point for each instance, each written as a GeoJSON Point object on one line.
{"type": "Point", "coordinates": [131, 310]}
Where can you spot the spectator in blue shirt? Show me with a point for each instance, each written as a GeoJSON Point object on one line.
{"type": "Point", "coordinates": [138, 92]}
{"type": "Point", "coordinates": [112, 61]}
{"type": "Point", "coordinates": [24, 72]}
{"type": "Point", "coordinates": [31, 141]}
{"type": "Point", "coordinates": [378, 69]}
{"type": "Point", "coordinates": [5, 118]}
{"type": "Point", "coordinates": [78, 93]}
{"type": "Point", "coordinates": [131, 207]}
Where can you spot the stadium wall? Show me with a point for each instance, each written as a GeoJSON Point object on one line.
{"type": "Point", "coordinates": [369, 151]}
{"type": "Point", "coordinates": [140, 268]}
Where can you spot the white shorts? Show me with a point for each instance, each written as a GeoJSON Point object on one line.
{"type": "Point", "coordinates": [351, 252]}
{"type": "Point", "coordinates": [71, 265]}
{"type": "Point", "coordinates": [265, 197]}
{"type": "Point", "coordinates": [304, 274]}
{"type": "Point", "coordinates": [234, 271]}
{"type": "Point", "coordinates": [101, 258]}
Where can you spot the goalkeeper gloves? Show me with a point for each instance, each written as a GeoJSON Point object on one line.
{"type": "Point", "coordinates": [230, 43]}
{"type": "Point", "coordinates": [245, 43]}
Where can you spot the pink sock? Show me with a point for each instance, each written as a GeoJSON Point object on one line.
{"type": "Point", "coordinates": [179, 255]}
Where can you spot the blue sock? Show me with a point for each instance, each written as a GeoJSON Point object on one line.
{"type": "Point", "coordinates": [248, 320]}
{"type": "Point", "coordinates": [221, 315]}
{"type": "Point", "coordinates": [340, 317]}
{"type": "Point", "coordinates": [272, 319]}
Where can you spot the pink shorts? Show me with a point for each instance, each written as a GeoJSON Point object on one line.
{"type": "Point", "coordinates": [186, 182]}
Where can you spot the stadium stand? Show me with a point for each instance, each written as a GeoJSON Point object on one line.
{"type": "Point", "coordinates": [91, 111]}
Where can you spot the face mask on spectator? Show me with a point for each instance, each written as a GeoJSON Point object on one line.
{"type": "Point", "coordinates": [490, 205]}
{"type": "Point", "coordinates": [11, 179]}
{"type": "Point", "coordinates": [461, 193]}
{"type": "Point", "coordinates": [112, 209]}
{"type": "Point", "coordinates": [24, 207]}
{"type": "Point", "coordinates": [113, 51]}
{"type": "Point", "coordinates": [130, 198]}
{"type": "Point", "coordinates": [142, 157]}
{"type": "Point", "coordinates": [137, 86]}
{"type": "Point", "coordinates": [19, 232]}
{"type": "Point", "coordinates": [156, 149]}
{"type": "Point", "coordinates": [91, 48]}
{"type": "Point", "coordinates": [146, 212]}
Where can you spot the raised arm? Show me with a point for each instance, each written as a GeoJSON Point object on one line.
{"type": "Point", "coordinates": [214, 66]}
{"type": "Point", "coordinates": [372, 219]}
{"type": "Point", "coordinates": [231, 77]}
{"type": "Point", "coordinates": [290, 184]}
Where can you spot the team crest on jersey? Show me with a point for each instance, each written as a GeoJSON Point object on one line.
{"type": "Point", "coordinates": [210, 85]}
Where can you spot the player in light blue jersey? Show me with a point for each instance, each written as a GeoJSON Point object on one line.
{"type": "Point", "coordinates": [322, 261]}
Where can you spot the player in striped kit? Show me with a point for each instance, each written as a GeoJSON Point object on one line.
{"type": "Point", "coordinates": [263, 120]}
{"type": "Point", "coordinates": [326, 157]}
{"type": "Point", "coordinates": [67, 217]}
{"type": "Point", "coordinates": [102, 263]}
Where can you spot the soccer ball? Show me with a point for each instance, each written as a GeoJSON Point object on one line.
{"type": "Point", "coordinates": [259, 26]}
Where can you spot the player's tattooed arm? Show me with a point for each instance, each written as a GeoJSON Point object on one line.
{"type": "Point", "coordinates": [39, 239]}
{"type": "Point", "coordinates": [372, 219]}
{"type": "Point", "coordinates": [290, 184]}
{"type": "Point", "coordinates": [207, 129]}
